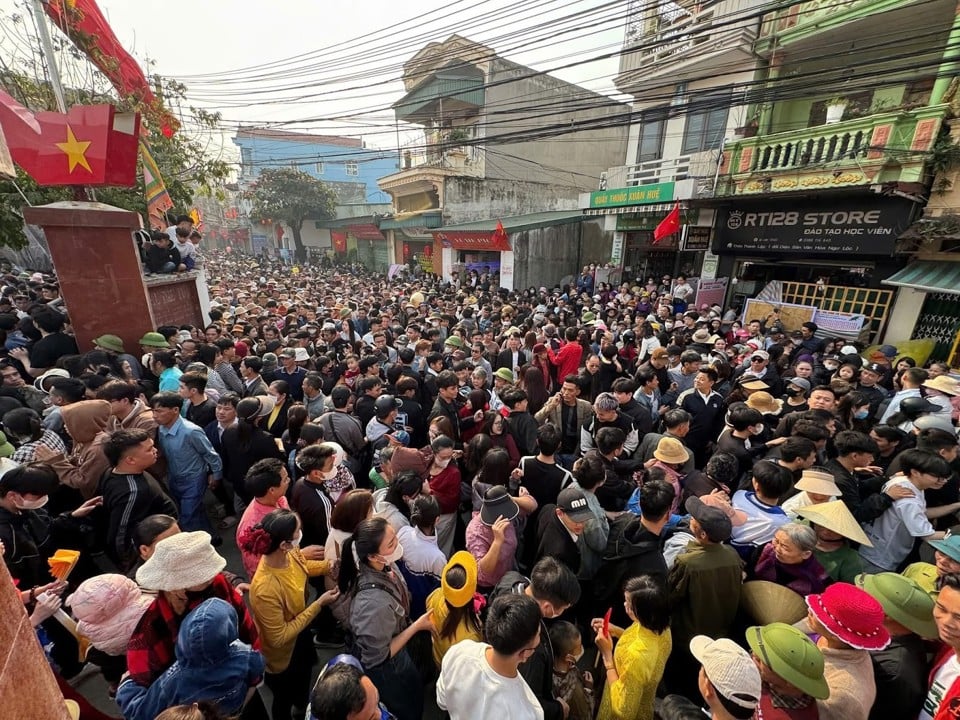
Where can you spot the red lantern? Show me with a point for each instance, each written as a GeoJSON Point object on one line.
{"type": "Point", "coordinates": [406, 251]}
{"type": "Point", "coordinates": [428, 251]}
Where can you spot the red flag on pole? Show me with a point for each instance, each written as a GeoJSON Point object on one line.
{"type": "Point", "coordinates": [668, 226]}
{"type": "Point", "coordinates": [500, 240]}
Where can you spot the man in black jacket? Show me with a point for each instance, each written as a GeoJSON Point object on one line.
{"type": "Point", "coordinates": [555, 588]}
{"type": "Point", "coordinates": [511, 357]}
{"type": "Point", "coordinates": [520, 423]}
{"type": "Point", "coordinates": [448, 386]}
{"type": "Point", "coordinates": [560, 526]}
{"type": "Point", "coordinates": [129, 493]}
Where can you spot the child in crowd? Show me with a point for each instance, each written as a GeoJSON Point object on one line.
{"type": "Point", "coordinates": [571, 684]}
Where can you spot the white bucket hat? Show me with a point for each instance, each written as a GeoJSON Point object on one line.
{"type": "Point", "coordinates": [181, 561]}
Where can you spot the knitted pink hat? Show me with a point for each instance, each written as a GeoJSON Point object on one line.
{"type": "Point", "coordinates": [851, 614]}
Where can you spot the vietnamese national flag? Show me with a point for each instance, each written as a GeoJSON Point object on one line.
{"type": "Point", "coordinates": [668, 226]}
{"type": "Point", "coordinates": [500, 240]}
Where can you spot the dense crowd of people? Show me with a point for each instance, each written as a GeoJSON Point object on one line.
{"type": "Point", "coordinates": [569, 503]}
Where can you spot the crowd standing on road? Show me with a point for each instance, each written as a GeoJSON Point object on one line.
{"type": "Point", "coordinates": [578, 502]}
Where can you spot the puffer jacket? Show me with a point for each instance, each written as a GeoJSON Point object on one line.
{"type": "Point", "coordinates": [86, 422]}
{"type": "Point", "coordinates": [212, 665]}
{"type": "Point", "coordinates": [108, 608]}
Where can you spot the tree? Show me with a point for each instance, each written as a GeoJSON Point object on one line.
{"type": "Point", "coordinates": [292, 196]}
{"type": "Point", "coordinates": [186, 166]}
{"type": "Point", "coordinates": [185, 161]}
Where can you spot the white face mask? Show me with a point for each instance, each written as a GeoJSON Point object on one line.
{"type": "Point", "coordinates": [441, 463]}
{"type": "Point", "coordinates": [297, 539]}
{"type": "Point", "coordinates": [394, 556]}
{"type": "Point", "coordinates": [33, 504]}
{"type": "Point", "coordinates": [757, 429]}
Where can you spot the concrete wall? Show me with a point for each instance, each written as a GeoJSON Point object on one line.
{"type": "Point", "coordinates": [904, 315]}
{"type": "Point", "coordinates": [544, 256]}
{"type": "Point", "coordinates": [526, 101]}
{"type": "Point", "coordinates": [471, 199]}
{"type": "Point", "coordinates": [312, 237]}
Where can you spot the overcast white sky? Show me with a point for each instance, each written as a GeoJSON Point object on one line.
{"type": "Point", "coordinates": [337, 66]}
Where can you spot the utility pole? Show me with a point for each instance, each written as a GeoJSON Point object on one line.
{"type": "Point", "coordinates": [47, 46]}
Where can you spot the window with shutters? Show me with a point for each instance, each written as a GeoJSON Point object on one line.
{"type": "Point", "coordinates": [706, 122]}
{"type": "Point", "coordinates": [650, 142]}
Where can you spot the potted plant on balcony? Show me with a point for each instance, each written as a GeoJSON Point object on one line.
{"type": "Point", "coordinates": [456, 153]}
{"type": "Point", "coordinates": [835, 109]}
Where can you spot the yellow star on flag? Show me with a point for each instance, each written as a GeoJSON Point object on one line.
{"type": "Point", "coordinates": [75, 150]}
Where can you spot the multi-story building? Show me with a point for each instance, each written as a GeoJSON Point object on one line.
{"type": "Point", "coordinates": [344, 164]}
{"type": "Point", "coordinates": [502, 142]}
{"type": "Point", "coordinates": [826, 117]}
{"type": "Point", "coordinates": [845, 116]}
{"type": "Point", "coordinates": [687, 65]}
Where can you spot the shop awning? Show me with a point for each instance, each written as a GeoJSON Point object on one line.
{"type": "Point", "coordinates": [943, 277]}
{"type": "Point", "coordinates": [518, 223]}
{"type": "Point", "coordinates": [365, 231]}
{"type": "Point", "coordinates": [483, 234]}
{"type": "Point", "coordinates": [424, 218]}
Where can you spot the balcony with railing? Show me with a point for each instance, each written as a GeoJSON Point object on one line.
{"type": "Point", "coordinates": [681, 39]}
{"type": "Point", "coordinates": [883, 147]}
{"type": "Point", "coordinates": [803, 20]}
{"type": "Point", "coordinates": [649, 172]}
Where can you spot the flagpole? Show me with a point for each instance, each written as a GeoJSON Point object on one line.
{"type": "Point", "coordinates": [47, 47]}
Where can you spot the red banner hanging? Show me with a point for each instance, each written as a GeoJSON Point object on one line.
{"type": "Point", "coordinates": [480, 240]}
{"type": "Point", "coordinates": [339, 240]}
{"type": "Point", "coordinates": [83, 22]}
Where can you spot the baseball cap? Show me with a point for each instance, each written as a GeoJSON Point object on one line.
{"type": "Point", "coordinates": [385, 404]}
{"type": "Point", "coordinates": [800, 382]}
{"type": "Point", "coordinates": [714, 521]}
{"type": "Point", "coordinates": [288, 353]}
{"type": "Point", "coordinates": [730, 670]}
{"type": "Point", "coordinates": [760, 354]}
{"type": "Point", "coordinates": [875, 368]}
{"type": "Point", "coordinates": [574, 504]}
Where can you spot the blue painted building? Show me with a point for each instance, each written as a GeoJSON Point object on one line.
{"type": "Point", "coordinates": [349, 168]}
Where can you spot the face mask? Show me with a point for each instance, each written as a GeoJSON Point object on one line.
{"type": "Point", "coordinates": [862, 414]}
{"type": "Point", "coordinates": [574, 659]}
{"type": "Point", "coordinates": [757, 429]}
{"type": "Point", "coordinates": [793, 392]}
{"type": "Point", "coordinates": [297, 539]}
{"type": "Point", "coordinates": [33, 504]}
{"type": "Point", "coordinates": [394, 556]}
{"type": "Point", "coordinates": [831, 366]}
{"type": "Point", "coordinates": [441, 463]}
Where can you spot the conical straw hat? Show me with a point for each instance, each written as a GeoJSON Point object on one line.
{"type": "Point", "coordinates": [766, 602]}
{"type": "Point", "coordinates": [835, 516]}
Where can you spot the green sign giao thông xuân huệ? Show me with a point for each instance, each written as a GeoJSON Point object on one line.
{"type": "Point", "coordinates": [640, 195]}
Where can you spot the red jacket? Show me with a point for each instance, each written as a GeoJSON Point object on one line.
{"type": "Point", "coordinates": [445, 487]}
{"type": "Point", "coordinates": [567, 360]}
{"type": "Point", "coordinates": [948, 709]}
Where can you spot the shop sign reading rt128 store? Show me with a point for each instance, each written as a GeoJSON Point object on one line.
{"type": "Point", "coordinates": [868, 226]}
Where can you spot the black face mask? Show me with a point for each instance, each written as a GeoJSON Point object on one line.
{"type": "Point", "coordinates": [793, 392]}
